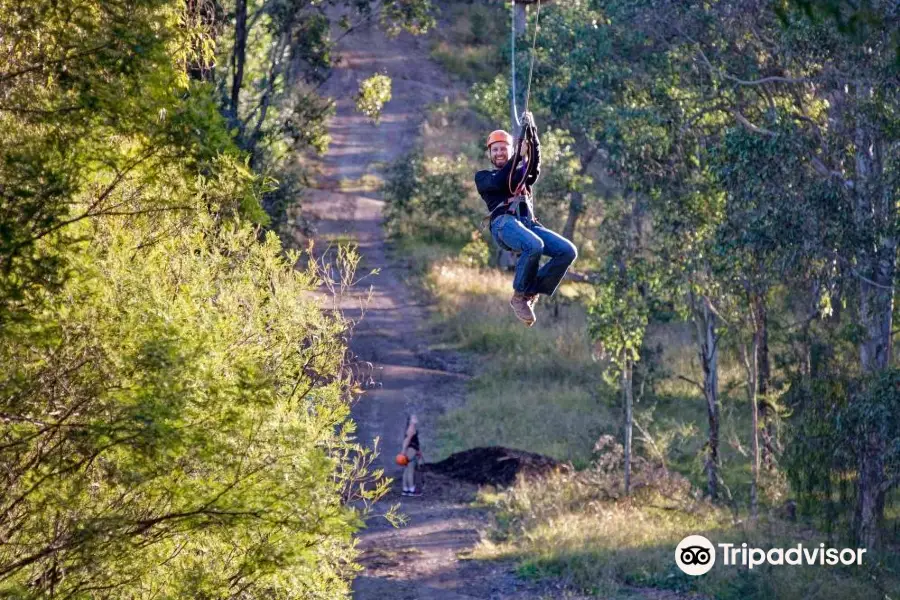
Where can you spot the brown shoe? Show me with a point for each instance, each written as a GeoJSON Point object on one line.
{"type": "Point", "coordinates": [532, 300]}
{"type": "Point", "coordinates": [522, 309]}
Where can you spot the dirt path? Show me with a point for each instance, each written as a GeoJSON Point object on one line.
{"type": "Point", "coordinates": [422, 558]}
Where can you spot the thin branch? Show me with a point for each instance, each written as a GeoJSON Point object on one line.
{"type": "Point", "coordinates": [90, 212]}
{"type": "Point", "coordinates": [649, 439]}
{"type": "Point", "coordinates": [7, 76]}
{"type": "Point", "coordinates": [765, 80]}
{"type": "Point", "coordinates": [713, 310]}
{"type": "Point", "coordinates": [750, 126]}
{"type": "Point", "coordinates": [732, 78]}
{"type": "Point", "coordinates": [37, 111]}
{"type": "Point", "coordinates": [862, 277]}
{"type": "Point", "coordinates": [691, 381]}
{"type": "Point", "coordinates": [824, 171]}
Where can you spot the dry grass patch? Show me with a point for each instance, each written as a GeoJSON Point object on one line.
{"type": "Point", "coordinates": [580, 528]}
{"type": "Point", "coordinates": [539, 389]}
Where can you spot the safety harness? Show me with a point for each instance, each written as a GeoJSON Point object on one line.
{"type": "Point", "coordinates": [517, 188]}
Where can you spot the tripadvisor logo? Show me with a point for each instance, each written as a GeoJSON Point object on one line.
{"type": "Point", "coordinates": [696, 555]}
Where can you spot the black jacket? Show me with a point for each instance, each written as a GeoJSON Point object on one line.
{"type": "Point", "coordinates": [493, 184]}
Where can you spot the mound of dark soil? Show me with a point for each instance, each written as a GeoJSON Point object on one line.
{"type": "Point", "coordinates": [495, 465]}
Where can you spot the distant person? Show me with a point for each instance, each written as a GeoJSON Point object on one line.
{"type": "Point", "coordinates": [413, 452]}
{"type": "Point", "coordinates": [507, 191]}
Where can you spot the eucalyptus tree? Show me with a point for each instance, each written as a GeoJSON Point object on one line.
{"type": "Point", "coordinates": [619, 311]}
{"type": "Point", "coordinates": [630, 94]}
{"type": "Point", "coordinates": [832, 106]}
{"type": "Point", "coordinates": [659, 87]}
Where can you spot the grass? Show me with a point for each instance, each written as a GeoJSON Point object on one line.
{"type": "Point", "coordinates": [539, 388]}
{"type": "Point", "coordinates": [576, 527]}
{"type": "Point", "coordinates": [367, 183]}
{"type": "Point", "coordinates": [543, 374]}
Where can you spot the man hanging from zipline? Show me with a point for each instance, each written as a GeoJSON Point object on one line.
{"type": "Point", "coordinates": [507, 191]}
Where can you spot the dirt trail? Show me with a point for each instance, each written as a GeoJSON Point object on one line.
{"type": "Point", "coordinates": [420, 559]}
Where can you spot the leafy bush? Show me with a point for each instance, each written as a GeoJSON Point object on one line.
{"type": "Point", "coordinates": [176, 424]}
{"type": "Point", "coordinates": [173, 399]}
{"type": "Point", "coordinates": [374, 93]}
{"type": "Point", "coordinates": [836, 419]}
{"type": "Point", "coordinates": [477, 253]}
{"type": "Point", "coordinates": [491, 99]}
{"type": "Point", "coordinates": [431, 199]}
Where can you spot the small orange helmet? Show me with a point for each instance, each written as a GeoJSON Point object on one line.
{"type": "Point", "coordinates": [401, 460]}
{"type": "Point", "coordinates": [499, 136]}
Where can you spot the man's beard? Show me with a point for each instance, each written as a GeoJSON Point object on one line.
{"type": "Point", "coordinates": [500, 166]}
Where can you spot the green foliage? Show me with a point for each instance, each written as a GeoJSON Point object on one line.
{"type": "Point", "coordinates": [470, 44]}
{"type": "Point", "coordinates": [618, 318]}
{"type": "Point", "coordinates": [477, 253]}
{"type": "Point", "coordinates": [820, 449]}
{"type": "Point", "coordinates": [414, 16]}
{"type": "Point", "coordinates": [284, 51]}
{"type": "Point", "coordinates": [305, 123]}
{"type": "Point", "coordinates": [491, 99]}
{"type": "Point", "coordinates": [430, 199]}
{"type": "Point", "coordinates": [91, 95]}
{"type": "Point", "coordinates": [561, 176]}
{"type": "Point", "coordinates": [757, 148]}
{"type": "Point", "coordinates": [374, 93]}
{"type": "Point", "coordinates": [175, 403]}
{"type": "Point", "coordinates": [835, 419]}
{"type": "Point", "coordinates": [857, 20]}
{"type": "Point", "coordinates": [177, 422]}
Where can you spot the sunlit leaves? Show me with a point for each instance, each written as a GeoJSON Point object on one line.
{"type": "Point", "coordinates": [374, 93]}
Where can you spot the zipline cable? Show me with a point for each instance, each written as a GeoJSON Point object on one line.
{"type": "Point", "coordinates": [514, 114]}
{"type": "Point", "coordinates": [514, 111]}
{"type": "Point", "coordinates": [537, 19]}
{"type": "Point", "coordinates": [516, 124]}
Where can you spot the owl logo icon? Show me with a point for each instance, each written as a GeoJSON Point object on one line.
{"type": "Point", "coordinates": [695, 555]}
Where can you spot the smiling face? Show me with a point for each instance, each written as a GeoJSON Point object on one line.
{"type": "Point", "coordinates": [499, 154]}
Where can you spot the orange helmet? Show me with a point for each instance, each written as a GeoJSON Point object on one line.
{"type": "Point", "coordinates": [499, 136]}
{"type": "Point", "coordinates": [401, 460]}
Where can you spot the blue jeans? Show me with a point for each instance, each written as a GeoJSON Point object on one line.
{"type": "Point", "coordinates": [523, 234]}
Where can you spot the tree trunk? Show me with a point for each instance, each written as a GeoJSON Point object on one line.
{"type": "Point", "coordinates": [628, 394]}
{"type": "Point", "coordinates": [576, 208]}
{"type": "Point", "coordinates": [751, 365]}
{"type": "Point", "coordinates": [870, 503]}
{"type": "Point", "coordinates": [239, 57]}
{"type": "Point", "coordinates": [768, 426]}
{"type": "Point", "coordinates": [576, 200]}
{"type": "Point", "coordinates": [875, 215]}
{"type": "Point", "coordinates": [708, 341]}
{"type": "Point", "coordinates": [876, 305]}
